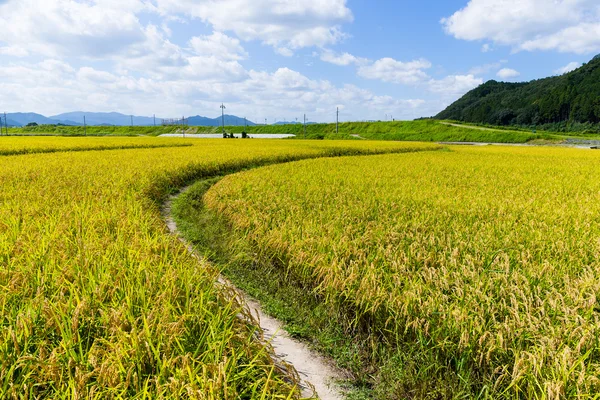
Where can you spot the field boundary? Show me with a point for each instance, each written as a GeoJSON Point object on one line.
{"type": "Point", "coordinates": [319, 374]}
{"type": "Point", "coordinates": [315, 373]}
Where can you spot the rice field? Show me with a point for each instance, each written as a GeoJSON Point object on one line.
{"type": "Point", "coordinates": [98, 300]}
{"type": "Point", "coordinates": [18, 145]}
{"type": "Point", "coordinates": [470, 273]}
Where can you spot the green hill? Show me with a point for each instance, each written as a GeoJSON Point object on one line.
{"type": "Point", "coordinates": [570, 102]}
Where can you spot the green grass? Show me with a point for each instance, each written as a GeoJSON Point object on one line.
{"type": "Point", "coordinates": [420, 130]}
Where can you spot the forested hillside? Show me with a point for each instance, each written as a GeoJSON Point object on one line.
{"type": "Point", "coordinates": [570, 102]}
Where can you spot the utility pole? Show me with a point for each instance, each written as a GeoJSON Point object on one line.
{"type": "Point", "coordinates": [154, 116]}
{"type": "Point", "coordinates": [265, 122]}
{"type": "Point", "coordinates": [84, 127]}
{"type": "Point", "coordinates": [304, 126]}
{"type": "Point", "coordinates": [337, 120]}
{"type": "Point", "coordinates": [223, 118]}
{"type": "Point", "coordinates": [132, 121]}
{"type": "Point", "coordinates": [5, 123]}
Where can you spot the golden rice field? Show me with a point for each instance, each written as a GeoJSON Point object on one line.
{"type": "Point", "coordinates": [17, 145]}
{"type": "Point", "coordinates": [98, 301]}
{"type": "Point", "coordinates": [470, 273]}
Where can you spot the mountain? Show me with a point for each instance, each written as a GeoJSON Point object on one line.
{"type": "Point", "coordinates": [570, 98]}
{"type": "Point", "coordinates": [230, 120]}
{"type": "Point", "coordinates": [99, 119]}
{"type": "Point", "coordinates": [112, 119]}
{"type": "Point", "coordinates": [22, 119]}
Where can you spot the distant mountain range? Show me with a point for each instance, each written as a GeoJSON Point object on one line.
{"type": "Point", "coordinates": [110, 119]}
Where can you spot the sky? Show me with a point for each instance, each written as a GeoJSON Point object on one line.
{"type": "Point", "coordinates": [277, 60]}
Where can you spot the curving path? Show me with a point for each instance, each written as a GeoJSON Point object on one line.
{"type": "Point", "coordinates": [317, 374]}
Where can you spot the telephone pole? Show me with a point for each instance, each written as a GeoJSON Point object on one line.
{"type": "Point", "coordinates": [154, 116]}
{"type": "Point", "coordinates": [304, 126]}
{"type": "Point", "coordinates": [84, 127]}
{"type": "Point", "coordinates": [132, 121]}
{"type": "Point", "coordinates": [337, 120]}
{"type": "Point", "coordinates": [223, 118]}
{"type": "Point", "coordinates": [5, 123]}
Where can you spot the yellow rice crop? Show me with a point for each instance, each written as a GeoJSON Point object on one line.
{"type": "Point", "coordinates": [478, 268]}
{"type": "Point", "coordinates": [99, 301]}
{"type": "Point", "coordinates": [14, 145]}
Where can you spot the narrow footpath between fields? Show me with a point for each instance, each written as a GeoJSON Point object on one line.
{"type": "Point", "coordinates": [318, 374]}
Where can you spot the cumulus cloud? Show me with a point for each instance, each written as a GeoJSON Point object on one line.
{"type": "Point", "coordinates": [108, 55]}
{"type": "Point", "coordinates": [53, 86]}
{"type": "Point", "coordinates": [14, 51]}
{"type": "Point", "coordinates": [343, 59]}
{"type": "Point", "coordinates": [454, 85]}
{"type": "Point", "coordinates": [563, 25]}
{"type": "Point", "coordinates": [218, 45]}
{"type": "Point", "coordinates": [62, 27]}
{"type": "Point", "coordinates": [508, 73]}
{"type": "Point", "coordinates": [284, 24]}
{"type": "Point", "coordinates": [572, 66]}
{"type": "Point", "coordinates": [390, 70]}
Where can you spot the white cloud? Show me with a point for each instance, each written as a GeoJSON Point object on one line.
{"type": "Point", "coordinates": [52, 87]}
{"type": "Point", "coordinates": [14, 51]}
{"type": "Point", "coordinates": [454, 85]}
{"type": "Point", "coordinates": [284, 51]}
{"type": "Point", "coordinates": [572, 66]}
{"type": "Point", "coordinates": [283, 24]}
{"type": "Point", "coordinates": [343, 59]}
{"type": "Point", "coordinates": [62, 27]}
{"type": "Point", "coordinates": [390, 70]}
{"type": "Point", "coordinates": [122, 55]}
{"type": "Point", "coordinates": [486, 68]}
{"type": "Point", "coordinates": [486, 48]}
{"type": "Point", "coordinates": [508, 73]}
{"type": "Point", "coordinates": [563, 25]}
{"type": "Point", "coordinates": [581, 39]}
{"type": "Point", "coordinates": [218, 45]}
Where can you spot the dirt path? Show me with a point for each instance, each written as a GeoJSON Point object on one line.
{"type": "Point", "coordinates": [318, 375]}
{"type": "Point", "coordinates": [479, 128]}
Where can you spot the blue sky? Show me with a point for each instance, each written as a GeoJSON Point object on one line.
{"type": "Point", "coordinates": [279, 59]}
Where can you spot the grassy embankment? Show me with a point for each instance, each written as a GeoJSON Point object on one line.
{"type": "Point", "coordinates": [464, 274]}
{"type": "Point", "coordinates": [99, 301]}
{"type": "Point", "coordinates": [423, 130]}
